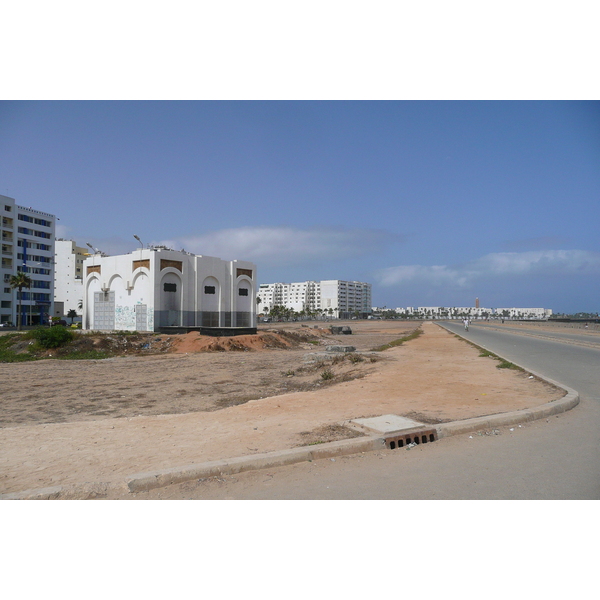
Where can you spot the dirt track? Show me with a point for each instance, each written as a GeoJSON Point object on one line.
{"type": "Point", "coordinates": [195, 407]}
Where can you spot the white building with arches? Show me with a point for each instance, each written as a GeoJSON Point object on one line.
{"type": "Point", "coordinates": [157, 288]}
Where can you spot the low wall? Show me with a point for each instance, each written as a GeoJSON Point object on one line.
{"type": "Point", "coordinates": [212, 331]}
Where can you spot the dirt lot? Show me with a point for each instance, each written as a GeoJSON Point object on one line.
{"type": "Point", "coordinates": [187, 373]}
{"type": "Point", "coordinates": [69, 422]}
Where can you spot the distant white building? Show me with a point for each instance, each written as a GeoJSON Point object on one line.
{"type": "Point", "coordinates": [27, 247]}
{"type": "Point", "coordinates": [68, 280]}
{"type": "Point", "coordinates": [460, 312]}
{"type": "Point", "coordinates": [524, 313]}
{"type": "Point", "coordinates": [339, 299]}
{"type": "Point", "coordinates": [154, 288]}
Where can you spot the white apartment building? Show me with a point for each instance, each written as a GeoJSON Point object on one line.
{"type": "Point", "coordinates": [154, 288]}
{"type": "Point", "coordinates": [340, 299]}
{"type": "Point", "coordinates": [28, 247]}
{"type": "Point", "coordinates": [68, 275]}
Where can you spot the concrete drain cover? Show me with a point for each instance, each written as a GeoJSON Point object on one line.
{"type": "Point", "coordinates": [386, 423]}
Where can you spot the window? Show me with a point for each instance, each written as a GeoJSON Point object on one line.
{"type": "Point", "coordinates": [35, 232]}
{"type": "Point", "coordinates": [243, 291]}
{"type": "Point", "coordinates": [35, 220]}
{"type": "Point", "coordinates": [170, 287]}
{"type": "Point", "coordinates": [209, 289]}
{"type": "Point", "coordinates": [33, 257]}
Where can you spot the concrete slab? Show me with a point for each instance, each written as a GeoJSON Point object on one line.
{"type": "Point", "coordinates": [385, 423]}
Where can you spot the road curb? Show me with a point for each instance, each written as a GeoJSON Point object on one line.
{"type": "Point", "coordinates": [140, 482]}
{"type": "Point", "coordinates": [84, 491]}
{"type": "Point", "coordinates": [147, 481]}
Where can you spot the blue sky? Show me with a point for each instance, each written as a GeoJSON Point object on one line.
{"type": "Point", "coordinates": [433, 202]}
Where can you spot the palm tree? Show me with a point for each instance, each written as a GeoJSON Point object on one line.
{"type": "Point", "coordinates": [71, 315]}
{"type": "Point", "coordinates": [18, 282]}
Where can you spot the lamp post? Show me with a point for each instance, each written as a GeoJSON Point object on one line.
{"type": "Point", "coordinates": [141, 243]}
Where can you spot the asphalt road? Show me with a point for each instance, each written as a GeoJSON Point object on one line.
{"type": "Point", "coordinates": [555, 458]}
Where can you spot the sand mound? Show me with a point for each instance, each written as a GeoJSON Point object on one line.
{"type": "Point", "coordinates": [194, 342]}
{"type": "Point", "coordinates": [263, 340]}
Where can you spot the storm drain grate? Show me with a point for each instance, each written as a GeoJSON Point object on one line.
{"type": "Point", "coordinates": [400, 440]}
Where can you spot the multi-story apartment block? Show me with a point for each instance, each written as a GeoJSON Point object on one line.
{"type": "Point", "coordinates": [340, 299]}
{"type": "Point", "coordinates": [28, 247]}
{"type": "Point", "coordinates": [68, 283]}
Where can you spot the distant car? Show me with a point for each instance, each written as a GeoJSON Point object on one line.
{"type": "Point", "coordinates": [61, 322]}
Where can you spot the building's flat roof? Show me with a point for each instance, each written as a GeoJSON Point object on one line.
{"type": "Point", "coordinates": [33, 210]}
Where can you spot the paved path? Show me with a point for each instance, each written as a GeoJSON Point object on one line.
{"type": "Point", "coordinates": [558, 458]}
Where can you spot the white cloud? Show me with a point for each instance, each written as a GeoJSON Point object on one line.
{"type": "Point", "coordinates": [277, 246]}
{"type": "Point", "coordinates": [502, 264]}
{"type": "Point", "coordinates": [560, 262]}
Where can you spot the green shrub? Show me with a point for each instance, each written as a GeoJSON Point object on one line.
{"type": "Point", "coordinates": [355, 358]}
{"type": "Point", "coordinates": [327, 374]}
{"type": "Point", "coordinates": [400, 341]}
{"type": "Point", "coordinates": [7, 353]}
{"type": "Point", "coordinates": [52, 337]}
{"type": "Point", "coordinates": [504, 364]}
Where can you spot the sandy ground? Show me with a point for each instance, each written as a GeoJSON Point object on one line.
{"type": "Point", "coordinates": [71, 422]}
